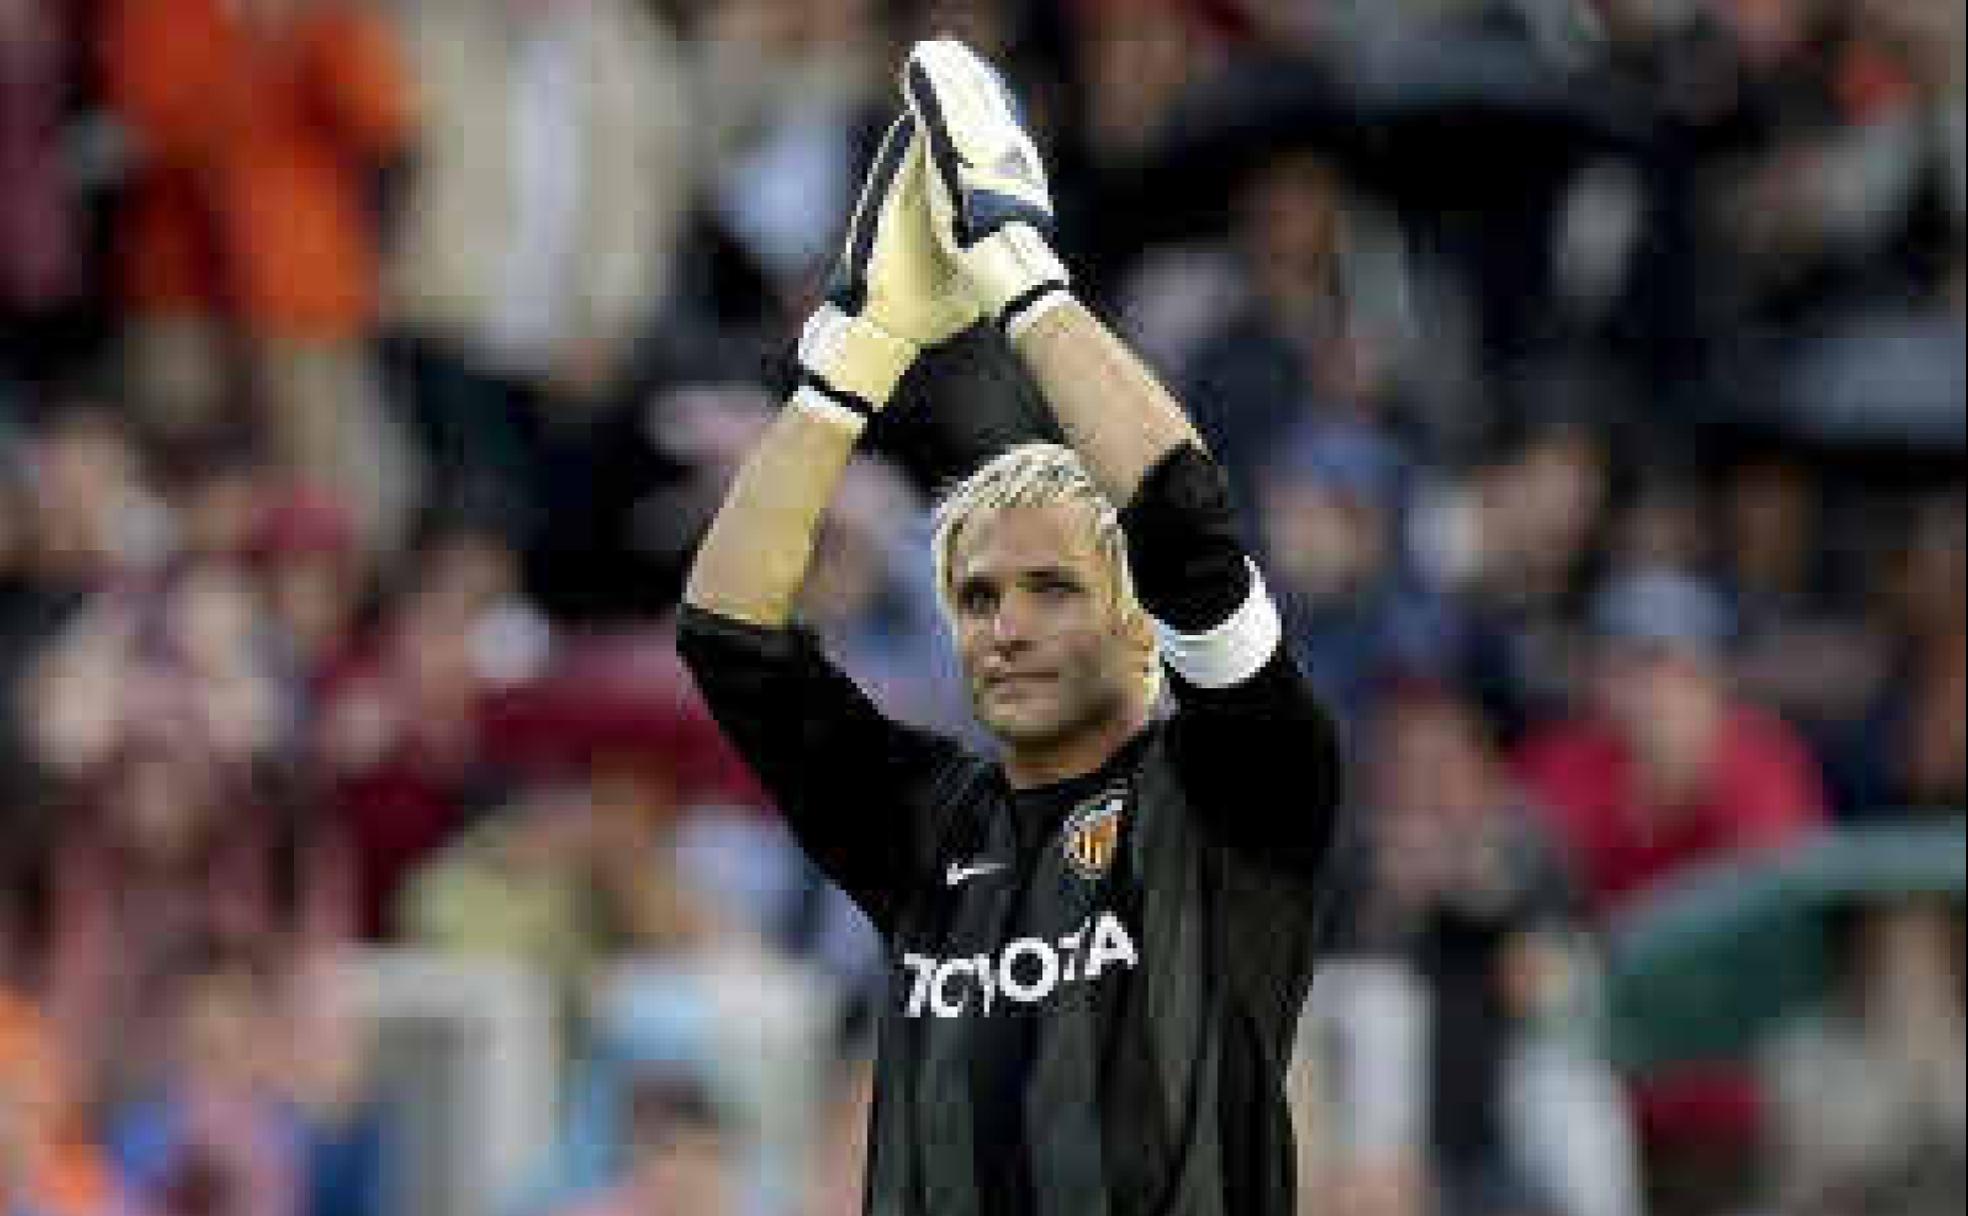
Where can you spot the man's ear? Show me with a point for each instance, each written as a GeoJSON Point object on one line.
{"type": "Point", "coordinates": [1139, 631]}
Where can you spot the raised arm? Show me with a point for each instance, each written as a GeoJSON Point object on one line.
{"type": "Point", "coordinates": [754, 559]}
{"type": "Point", "coordinates": [1248, 722]}
{"type": "Point", "coordinates": [853, 784]}
{"type": "Point", "coordinates": [891, 294]}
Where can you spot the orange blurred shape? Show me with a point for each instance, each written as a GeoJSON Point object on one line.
{"type": "Point", "coordinates": [64, 1174]}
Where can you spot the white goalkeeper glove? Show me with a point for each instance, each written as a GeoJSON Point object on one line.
{"type": "Point", "coordinates": [891, 293]}
{"type": "Point", "coordinates": [987, 183]}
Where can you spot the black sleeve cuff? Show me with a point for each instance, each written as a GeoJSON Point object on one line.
{"type": "Point", "coordinates": [1189, 567]}
{"type": "Point", "coordinates": [700, 630]}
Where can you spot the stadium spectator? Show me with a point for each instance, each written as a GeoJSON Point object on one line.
{"type": "Point", "coordinates": [1465, 891]}
{"type": "Point", "coordinates": [1803, 652]}
{"type": "Point", "coordinates": [1331, 505]}
{"type": "Point", "coordinates": [304, 553]}
{"type": "Point", "coordinates": [214, 498]}
{"type": "Point", "coordinates": [219, 1130]}
{"type": "Point", "coordinates": [1291, 348]}
{"type": "Point", "coordinates": [568, 882]}
{"type": "Point", "coordinates": [91, 514]}
{"type": "Point", "coordinates": [1772, 511]}
{"type": "Point", "coordinates": [171, 852]}
{"type": "Point", "coordinates": [79, 521]}
{"type": "Point", "coordinates": [1514, 540]}
{"type": "Point", "coordinates": [259, 129]}
{"type": "Point", "coordinates": [1666, 768]}
{"type": "Point", "coordinates": [209, 674]}
{"type": "Point", "coordinates": [400, 742]}
{"type": "Point", "coordinates": [540, 228]}
{"type": "Point", "coordinates": [1907, 751]}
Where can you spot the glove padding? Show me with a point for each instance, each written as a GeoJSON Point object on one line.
{"type": "Point", "coordinates": [987, 189]}
{"type": "Point", "coordinates": [891, 293]}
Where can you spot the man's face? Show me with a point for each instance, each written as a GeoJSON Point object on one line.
{"type": "Point", "coordinates": [1668, 703]}
{"type": "Point", "coordinates": [1328, 547]}
{"type": "Point", "coordinates": [1045, 659]}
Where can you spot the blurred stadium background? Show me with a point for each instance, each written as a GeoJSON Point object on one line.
{"type": "Point", "coordinates": [1591, 373]}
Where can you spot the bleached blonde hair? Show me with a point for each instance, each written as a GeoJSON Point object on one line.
{"type": "Point", "coordinates": [1041, 475]}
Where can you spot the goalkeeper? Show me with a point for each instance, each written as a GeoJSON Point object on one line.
{"type": "Point", "coordinates": [1101, 936]}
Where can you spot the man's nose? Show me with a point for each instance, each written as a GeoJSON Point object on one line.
{"type": "Point", "coordinates": [1011, 624]}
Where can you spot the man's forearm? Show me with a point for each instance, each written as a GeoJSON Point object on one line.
{"type": "Point", "coordinates": [1189, 567]}
{"type": "Point", "coordinates": [1114, 411]}
{"type": "Point", "coordinates": [754, 559]}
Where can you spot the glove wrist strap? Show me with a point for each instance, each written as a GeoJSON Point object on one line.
{"type": "Point", "coordinates": [1024, 312]}
{"type": "Point", "coordinates": [851, 360]}
{"type": "Point", "coordinates": [816, 399]}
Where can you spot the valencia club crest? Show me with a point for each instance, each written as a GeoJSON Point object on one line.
{"type": "Point", "coordinates": [1093, 835]}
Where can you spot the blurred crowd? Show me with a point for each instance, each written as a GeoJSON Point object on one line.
{"type": "Point", "coordinates": [1590, 374]}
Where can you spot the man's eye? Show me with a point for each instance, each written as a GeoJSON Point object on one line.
{"type": "Point", "coordinates": [975, 601]}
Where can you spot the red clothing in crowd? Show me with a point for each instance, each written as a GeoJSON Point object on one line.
{"type": "Point", "coordinates": [1763, 791]}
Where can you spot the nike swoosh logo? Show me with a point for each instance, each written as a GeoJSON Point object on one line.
{"type": "Point", "coordinates": [960, 874]}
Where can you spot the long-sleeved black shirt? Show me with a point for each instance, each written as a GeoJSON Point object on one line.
{"type": "Point", "coordinates": [1094, 985]}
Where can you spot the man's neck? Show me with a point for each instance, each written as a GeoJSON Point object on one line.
{"type": "Point", "coordinates": [1083, 753]}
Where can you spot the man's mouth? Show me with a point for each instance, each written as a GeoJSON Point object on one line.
{"type": "Point", "coordinates": [1017, 681]}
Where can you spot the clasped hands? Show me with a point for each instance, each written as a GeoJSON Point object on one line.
{"type": "Point", "coordinates": [954, 224]}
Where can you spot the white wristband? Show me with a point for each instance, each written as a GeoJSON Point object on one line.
{"type": "Point", "coordinates": [813, 401]}
{"type": "Point", "coordinates": [1232, 652]}
{"type": "Point", "coordinates": [1018, 322]}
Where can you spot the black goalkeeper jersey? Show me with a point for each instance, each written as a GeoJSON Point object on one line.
{"type": "Point", "coordinates": [1093, 986]}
